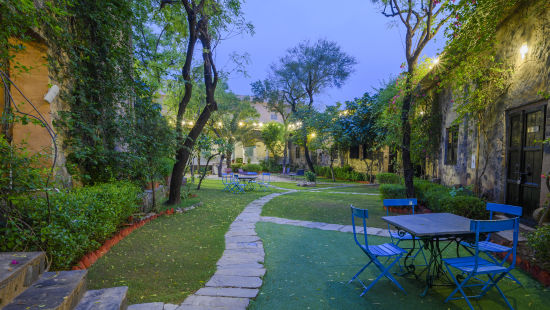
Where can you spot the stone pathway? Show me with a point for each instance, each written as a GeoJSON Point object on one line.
{"type": "Point", "coordinates": [345, 193]}
{"type": "Point", "coordinates": [240, 269]}
{"type": "Point", "coordinates": [238, 277]}
{"type": "Point", "coordinates": [325, 226]}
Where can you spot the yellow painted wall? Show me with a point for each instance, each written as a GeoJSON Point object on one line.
{"type": "Point", "coordinates": [34, 85]}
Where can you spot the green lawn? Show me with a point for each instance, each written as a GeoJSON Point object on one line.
{"type": "Point", "coordinates": [309, 269]}
{"type": "Point", "coordinates": [292, 185]}
{"type": "Point", "coordinates": [370, 189]}
{"type": "Point", "coordinates": [171, 257]}
{"type": "Point", "coordinates": [325, 207]}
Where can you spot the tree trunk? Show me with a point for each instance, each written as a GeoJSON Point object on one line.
{"type": "Point", "coordinates": [332, 169]}
{"type": "Point", "coordinates": [220, 165]}
{"type": "Point", "coordinates": [408, 169]}
{"type": "Point", "coordinates": [308, 159]}
{"type": "Point", "coordinates": [203, 174]}
{"type": "Point", "coordinates": [153, 192]}
{"type": "Point", "coordinates": [228, 159]}
{"type": "Point", "coordinates": [285, 156]}
{"type": "Point", "coordinates": [182, 154]}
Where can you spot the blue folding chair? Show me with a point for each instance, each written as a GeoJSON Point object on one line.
{"type": "Point", "coordinates": [474, 266]}
{"type": "Point", "coordinates": [238, 187]}
{"type": "Point", "coordinates": [374, 251]}
{"type": "Point", "coordinates": [489, 247]}
{"type": "Point", "coordinates": [266, 179]}
{"type": "Point", "coordinates": [227, 181]}
{"type": "Point", "coordinates": [396, 237]}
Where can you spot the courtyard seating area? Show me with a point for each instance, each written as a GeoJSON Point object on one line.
{"type": "Point", "coordinates": [277, 255]}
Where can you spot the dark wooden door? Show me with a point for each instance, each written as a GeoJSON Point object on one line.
{"type": "Point", "coordinates": [525, 133]}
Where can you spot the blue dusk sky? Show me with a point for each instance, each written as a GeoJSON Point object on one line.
{"type": "Point", "coordinates": [356, 25]}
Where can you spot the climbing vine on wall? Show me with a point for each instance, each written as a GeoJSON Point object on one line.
{"type": "Point", "coordinates": [98, 81]}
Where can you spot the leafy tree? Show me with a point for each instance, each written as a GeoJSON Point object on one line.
{"type": "Point", "coordinates": [312, 68]}
{"type": "Point", "coordinates": [273, 135]}
{"type": "Point", "coordinates": [277, 102]}
{"type": "Point", "coordinates": [422, 20]}
{"type": "Point", "coordinates": [205, 20]}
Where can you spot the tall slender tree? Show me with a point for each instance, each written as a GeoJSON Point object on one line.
{"type": "Point", "coordinates": [422, 20]}
{"type": "Point", "coordinates": [205, 20]}
{"type": "Point", "coordinates": [311, 68]}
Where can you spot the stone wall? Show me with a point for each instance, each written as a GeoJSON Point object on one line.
{"type": "Point", "coordinates": [529, 24]}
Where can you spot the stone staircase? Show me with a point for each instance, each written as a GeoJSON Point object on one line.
{"type": "Point", "coordinates": [25, 285]}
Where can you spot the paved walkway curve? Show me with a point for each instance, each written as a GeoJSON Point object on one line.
{"type": "Point", "coordinates": [238, 277]}
{"type": "Point", "coordinates": [240, 269]}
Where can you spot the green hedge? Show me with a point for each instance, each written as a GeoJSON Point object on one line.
{"type": "Point", "coordinates": [392, 191]}
{"type": "Point", "coordinates": [252, 168]}
{"type": "Point", "coordinates": [81, 220]}
{"type": "Point", "coordinates": [540, 242]}
{"type": "Point", "coordinates": [342, 173]}
{"type": "Point", "coordinates": [439, 198]}
{"type": "Point", "coordinates": [236, 167]}
{"type": "Point", "coordinates": [388, 178]}
{"type": "Point", "coordinates": [467, 206]}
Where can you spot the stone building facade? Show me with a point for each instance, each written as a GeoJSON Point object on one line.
{"type": "Point", "coordinates": [511, 154]}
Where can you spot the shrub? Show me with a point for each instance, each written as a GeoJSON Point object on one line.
{"type": "Point", "coordinates": [392, 191]}
{"type": "Point", "coordinates": [310, 176]}
{"type": "Point", "coordinates": [388, 178]}
{"type": "Point", "coordinates": [238, 160]}
{"type": "Point", "coordinates": [236, 167]}
{"type": "Point", "coordinates": [270, 166]}
{"type": "Point", "coordinates": [467, 206]}
{"type": "Point", "coordinates": [539, 240]}
{"type": "Point", "coordinates": [252, 168]}
{"type": "Point", "coordinates": [81, 220]}
{"type": "Point", "coordinates": [435, 196]}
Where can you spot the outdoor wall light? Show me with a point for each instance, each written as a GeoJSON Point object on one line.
{"type": "Point", "coordinates": [313, 135]}
{"type": "Point", "coordinates": [220, 124]}
{"type": "Point", "coordinates": [241, 124]}
{"type": "Point", "coordinates": [523, 50]}
{"type": "Point", "coordinates": [260, 124]}
{"type": "Point", "coordinates": [52, 94]}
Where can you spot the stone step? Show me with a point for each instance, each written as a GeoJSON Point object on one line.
{"type": "Point", "coordinates": [147, 306]}
{"type": "Point", "coordinates": [17, 272]}
{"type": "Point", "coordinates": [53, 291]}
{"type": "Point", "coordinates": [113, 298]}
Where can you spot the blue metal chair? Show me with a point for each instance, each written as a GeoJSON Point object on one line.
{"type": "Point", "coordinates": [474, 266]}
{"type": "Point", "coordinates": [489, 247]}
{"type": "Point", "coordinates": [238, 187]}
{"type": "Point", "coordinates": [396, 237]}
{"type": "Point", "coordinates": [375, 251]}
{"type": "Point", "coordinates": [227, 181]}
{"type": "Point", "coordinates": [266, 179]}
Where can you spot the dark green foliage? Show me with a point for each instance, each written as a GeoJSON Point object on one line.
{"type": "Point", "coordinates": [467, 206]}
{"type": "Point", "coordinates": [434, 198]}
{"type": "Point", "coordinates": [392, 191]}
{"type": "Point", "coordinates": [252, 168]}
{"type": "Point", "coordinates": [81, 220]}
{"type": "Point", "coordinates": [236, 166]}
{"type": "Point", "coordinates": [341, 173]}
{"type": "Point", "coordinates": [97, 125]}
{"type": "Point", "coordinates": [388, 178]}
{"type": "Point", "coordinates": [310, 176]}
{"type": "Point", "coordinates": [271, 165]}
{"type": "Point", "coordinates": [540, 242]}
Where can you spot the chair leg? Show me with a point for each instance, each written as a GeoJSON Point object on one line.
{"type": "Point", "coordinates": [459, 288]}
{"type": "Point", "coordinates": [358, 273]}
{"type": "Point", "coordinates": [494, 283]}
{"type": "Point", "coordinates": [385, 272]}
{"type": "Point", "coordinates": [509, 275]}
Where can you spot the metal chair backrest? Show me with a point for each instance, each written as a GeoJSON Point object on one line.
{"type": "Point", "coordinates": [226, 178]}
{"type": "Point", "coordinates": [411, 202]}
{"type": "Point", "coordinates": [363, 214]}
{"type": "Point", "coordinates": [490, 226]}
{"type": "Point", "coordinates": [502, 208]}
{"type": "Point", "coordinates": [300, 172]}
{"type": "Point", "coordinates": [264, 177]}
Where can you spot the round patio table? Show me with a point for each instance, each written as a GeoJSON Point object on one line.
{"type": "Point", "coordinates": [248, 180]}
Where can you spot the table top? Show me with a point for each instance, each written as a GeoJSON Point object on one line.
{"type": "Point", "coordinates": [431, 224]}
{"type": "Point", "coordinates": [248, 177]}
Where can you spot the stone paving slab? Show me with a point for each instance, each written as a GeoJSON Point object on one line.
{"type": "Point", "coordinates": [170, 307]}
{"type": "Point", "coordinates": [234, 281]}
{"type": "Point", "coordinates": [147, 306]}
{"type": "Point", "coordinates": [243, 272]}
{"type": "Point", "coordinates": [324, 226]}
{"type": "Point", "coordinates": [228, 292]}
{"type": "Point", "coordinates": [210, 302]}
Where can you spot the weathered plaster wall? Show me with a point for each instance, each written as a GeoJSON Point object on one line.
{"type": "Point", "coordinates": [530, 25]}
